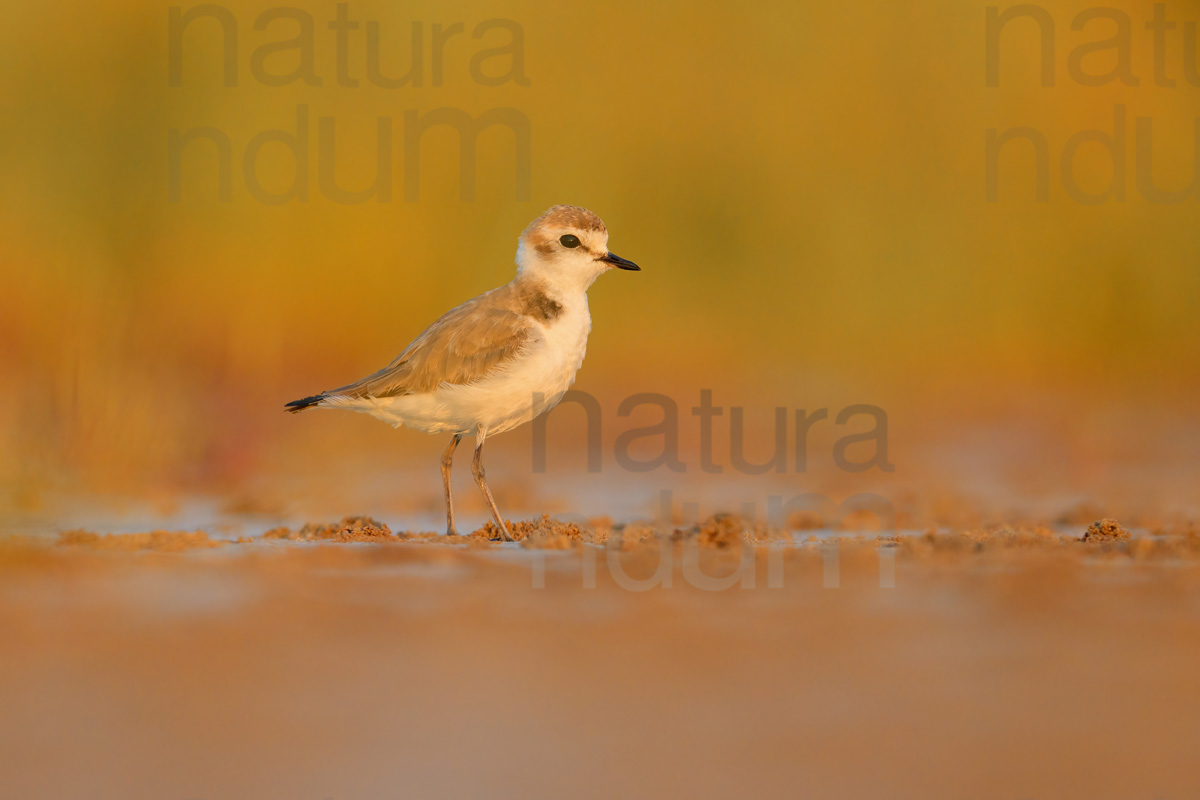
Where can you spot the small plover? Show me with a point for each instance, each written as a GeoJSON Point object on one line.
{"type": "Point", "coordinates": [499, 360]}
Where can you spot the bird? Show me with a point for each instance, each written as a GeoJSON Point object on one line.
{"type": "Point", "coordinates": [496, 361]}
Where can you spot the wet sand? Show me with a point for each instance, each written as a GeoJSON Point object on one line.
{"type": "Point", "coordinates": [348, 661]}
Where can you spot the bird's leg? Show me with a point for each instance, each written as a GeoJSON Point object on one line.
{"type": "Point", "coordinates": [477, 470]}
{"type": "Point", "coordinates": [447, 459]}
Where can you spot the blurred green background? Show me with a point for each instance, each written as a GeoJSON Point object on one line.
{"type": "Point", "coordinates": [803, 183]}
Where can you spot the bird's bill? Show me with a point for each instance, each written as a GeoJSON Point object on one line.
{"type": "Point", "coordinates": [619, 263]}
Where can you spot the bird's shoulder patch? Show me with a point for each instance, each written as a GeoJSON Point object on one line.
{"type": "Point", "coordinates": [536, 303]}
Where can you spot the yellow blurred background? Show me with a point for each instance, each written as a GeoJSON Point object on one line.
{"type": "Point", "coordinates": [803, 183]}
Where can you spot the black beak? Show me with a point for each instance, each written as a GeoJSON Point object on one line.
{"type": "Point", "coordinates": [621, 263]}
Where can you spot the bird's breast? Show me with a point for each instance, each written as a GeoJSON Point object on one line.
{"type": "Point", "coordinates": [564, 345]}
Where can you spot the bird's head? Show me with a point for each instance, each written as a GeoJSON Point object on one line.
{"type": "Point", "coordinates": [568, 247]}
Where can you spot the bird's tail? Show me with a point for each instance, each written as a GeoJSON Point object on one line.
{"type": "Point", "coordinates": [296, 406]}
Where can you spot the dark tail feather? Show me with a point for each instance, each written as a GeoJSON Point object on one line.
{"type": "Point", "coordinates": [296, 406]}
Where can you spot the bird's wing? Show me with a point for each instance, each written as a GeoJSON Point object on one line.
{"type": "Point", "coordinates": [463, 346]}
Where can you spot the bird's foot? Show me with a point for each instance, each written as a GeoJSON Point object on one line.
{"type": "Point", "coordinates": [504, 536]}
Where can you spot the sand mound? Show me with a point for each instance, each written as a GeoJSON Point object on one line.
{"type": "Point", "coordinates": [544, 532]}
{"type": "Point", "coordinates": [1105, 530]}
{"type": "Point", "coordinates": [349, 529]}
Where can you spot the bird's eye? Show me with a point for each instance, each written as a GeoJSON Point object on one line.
{"type": "Point", "coordinates": [569, 240]}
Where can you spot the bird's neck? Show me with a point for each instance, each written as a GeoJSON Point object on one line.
{"type": "Point", "coordinates": [568, 290]}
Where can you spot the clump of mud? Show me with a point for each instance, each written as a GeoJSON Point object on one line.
{"type": "Point", "coordinates": [1105, 530]}
{"type": "Point", "coordinates": [349, 529]}
{"type": "Point", "coordinates": [633, 535]}
{"type": "Point", "coordinates": [158, 541]}
{"type": "Point", "coordinates": [723, 530]}
{"type": "Point", "coordinates": [544, 532]}
{"type": "Point", "coordinates": [719, 530]}
{"type": "Point", "coordinates": [552, 534]}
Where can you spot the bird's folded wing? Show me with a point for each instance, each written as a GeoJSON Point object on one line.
{"type": "Point", "coordinates": [463, 346]}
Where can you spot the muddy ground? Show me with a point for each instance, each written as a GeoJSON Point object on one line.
{"type": "Point", "coordinates": [346, 660]}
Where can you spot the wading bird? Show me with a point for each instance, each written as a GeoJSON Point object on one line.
{"type": "Point", "coordinates": [499, 360]}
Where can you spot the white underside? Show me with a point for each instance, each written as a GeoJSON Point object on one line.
{"type": "Point", "coordinates": [530, 384]}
